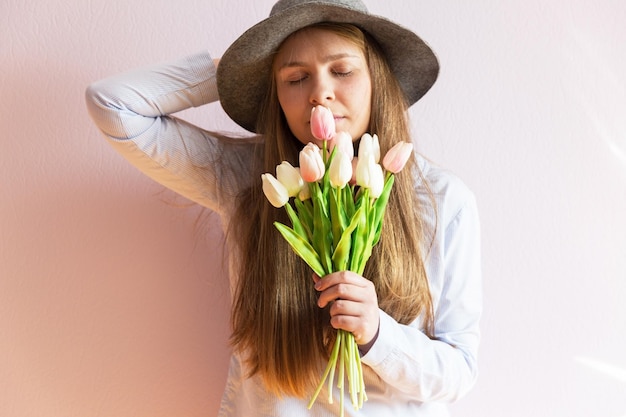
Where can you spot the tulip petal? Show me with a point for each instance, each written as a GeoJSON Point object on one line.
{"type": "Point", "coordinates": [274, 191]}
{"type": "Point", "coordinates": [377, 180]}
{"type": "Point", "coordinates": [343, 142]}
{"type": "Point", "coordinates": [290, 177]}
{"type": "Point", "coordinates": [322, 123]}
{"type": "Point", "coordinates": [340, 170]}
{"type": "Point", "coordinates": [311, 163]}
{"type": "Point", "coordinates": [397, 157]}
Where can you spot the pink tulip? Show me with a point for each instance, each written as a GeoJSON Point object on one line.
{"type": "Point", "coordinates": [397, 157]}
{"type": "Point", "coordinates": [322, 123]}
{"type": "Point", "coordinates": [311, 163]}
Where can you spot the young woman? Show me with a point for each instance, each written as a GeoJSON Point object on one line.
{"type": "Point", "coordinates": [415, 311]}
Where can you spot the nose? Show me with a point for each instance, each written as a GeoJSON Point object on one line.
{"type": "Point", "coordinates": [322, 91]}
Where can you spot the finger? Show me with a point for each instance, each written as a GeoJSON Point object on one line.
{"type": "Point", "coordinates": [340, 277]}
{"type": "Point", "coordinates": [363, 330]}
{"type": "Point", "coordinates": [344, 307]}
{"type": "Point", "coordinates": [363, 291]}
{"type": "Point", "coordinates": [359, 310]}
{"type": "Point", "coordinates": [341, 292]}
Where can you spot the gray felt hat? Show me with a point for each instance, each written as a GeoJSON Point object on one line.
{"type": "Point", "coordinates": [245, 68]}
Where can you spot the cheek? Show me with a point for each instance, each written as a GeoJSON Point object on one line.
{"type": "Point", "coordinates": [366, 89]}
{"type": "Point", "coordinates": [288, 100]}
{"type": "Point", "coordinates": [362, 102]}
{"type": "Point", "coordinates": [360, 94]}
{"type": "Point", "coordinates": [293, 114]}
{"type": "Point", "coordinates": [285, 103]}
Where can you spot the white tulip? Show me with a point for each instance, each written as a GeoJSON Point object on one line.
{"type": "Point", "coordinates": [290, 177]}
{"type": "Point", "coordinates": [340, 170]}
{"type": "Point", "coordinates": [275, 192]}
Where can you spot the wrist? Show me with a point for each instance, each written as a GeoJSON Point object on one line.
{"type": "Point", "coordinates": [364, 348]}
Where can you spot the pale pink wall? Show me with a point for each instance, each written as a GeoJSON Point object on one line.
{"type": "Point", "coordinates": [113, 300]}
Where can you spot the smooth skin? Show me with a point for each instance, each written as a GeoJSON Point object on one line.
{"type": "Point", "coordinates": [353, 304]}
{"type": "Point", "coordinates": [318, 67]}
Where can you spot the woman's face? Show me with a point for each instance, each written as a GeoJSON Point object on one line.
{"type": "Point", "coordinates": [318, 67]}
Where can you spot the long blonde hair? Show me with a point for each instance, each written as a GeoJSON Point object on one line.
{"type": "Point", "coordinates": [277, 325]}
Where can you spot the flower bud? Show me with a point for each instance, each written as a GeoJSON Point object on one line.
{"type": "Point", "coordinates": [376, 148]}
{"type": "Point", "coordinates": [377, 183]}
{"type": "Point", "coordinates": [370, 175]}
{"type": "Point", "coordinates": [275, 192]}
{"type": "Point", "coordinates": [290, 177]}
{"type": "Point", "coordinates": [343, 142]}
{"type": "Point", "coordinates": [340, 170]}
{"type": "Point", "coordinates": [322, 123]}
{"type": "Point", "coordinates": [363, 170]}
{"type": "Point", "coordinates": [397, 157]}
{"type": "Point", "coordinates": [369, 145]}
{"type": "Point", "coordinates": [311, 163]}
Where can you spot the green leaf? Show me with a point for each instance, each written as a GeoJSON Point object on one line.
{"type": "Point", "coordinates": [337, 216]}
{"type": "Point", "coordinates": [295, 222]}
{"type": "Point", "coordinates": [302, 248]}
{"type": "Point", "coordinates": [360, 235]}
{"type": "Point", "coordinates": [322, 233]}
{"type": "Point", "coordinates": [378, 211]}
{"type": "Point", "coordinates": [305, 214]}
{"type": "Point", "coordinates": [348, 201]}
{"type": "Point", "coordinates": [341, 256]}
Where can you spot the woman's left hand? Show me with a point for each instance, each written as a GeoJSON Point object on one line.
{"type": "Point", "coordinates": [353, 304]}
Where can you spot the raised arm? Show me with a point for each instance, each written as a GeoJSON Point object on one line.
{"type": "Point", "coordinates": [133, 110]}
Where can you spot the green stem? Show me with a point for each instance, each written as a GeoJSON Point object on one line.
{"type": "Point", "coordinates": [332, 362]}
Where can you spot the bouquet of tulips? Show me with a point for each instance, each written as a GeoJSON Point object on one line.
{"type": "Point", "coordinates": [336, 219]}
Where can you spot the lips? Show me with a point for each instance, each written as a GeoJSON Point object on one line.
{"type": "Point", "coordinates": [339, 119]}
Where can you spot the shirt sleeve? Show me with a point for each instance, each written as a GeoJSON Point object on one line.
{"type": "Point", "coordinates": [443, 368]}
{"type": "Point", "coordinates": [134, 112]}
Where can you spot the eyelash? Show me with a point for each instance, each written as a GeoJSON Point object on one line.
{"type": "Point", "coordinates": [296, 82]}
{"type": "Point", "coordinates": [337, 73]}
{"type": "Point", "coordinates": [342, 74]}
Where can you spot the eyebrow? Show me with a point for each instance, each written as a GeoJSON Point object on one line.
{"type": "Point", "coordinates": [328, 58]}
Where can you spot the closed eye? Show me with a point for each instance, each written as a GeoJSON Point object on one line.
{"type": "Point", "coordinates": [296, 81]}
{"type": "Point", "coordinates": [342, 73]}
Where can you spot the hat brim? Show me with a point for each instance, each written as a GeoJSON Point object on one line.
{"type": "Point", "coordinates": [245, 68]}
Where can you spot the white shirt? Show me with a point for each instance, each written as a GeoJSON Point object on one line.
{"type": "Point", "coordinates": [405, 372]}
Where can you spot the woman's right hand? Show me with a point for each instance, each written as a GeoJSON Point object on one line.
{"type": "Point", "coordinates": [353, 304]}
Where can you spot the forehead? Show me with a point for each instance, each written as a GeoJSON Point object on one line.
{"type": "Point", "coordinates": [317, 43]}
